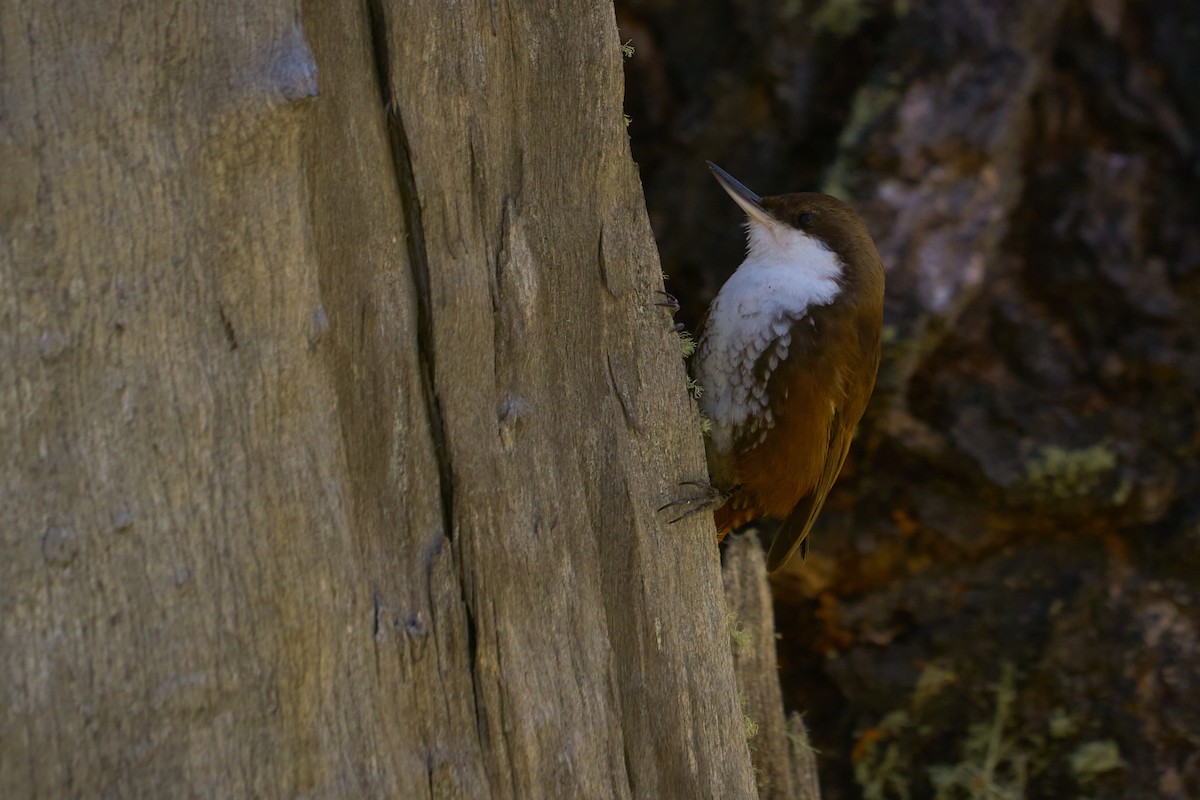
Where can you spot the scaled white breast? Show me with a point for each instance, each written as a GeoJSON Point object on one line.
{"type": "Point", "coordinates": [785, 273]}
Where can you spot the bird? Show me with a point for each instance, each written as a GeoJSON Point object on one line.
{"type": "Point", "coordinates": [786, 359]}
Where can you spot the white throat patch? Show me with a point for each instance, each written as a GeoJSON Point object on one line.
{"type": "Point", "coordinates": [785, 273]}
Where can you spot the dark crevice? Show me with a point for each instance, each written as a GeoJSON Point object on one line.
{"type": "Point", "coordinates": [472, 659]}
{"type": "Point", "coordinates": [375, 615]}
{"type": "Point", "coordinates": [600, 262]}
{"type": "Point", "coordinates": [418, 257]}
{"type": "Point", "coordinates": [376, 610]}
{"type": "Point", "coordinates": [627, 411]}
{"type": "Point", "coordinates": [503, 256]}
{"type": "Point", "coordinates": [508, 740]}
{"type": "Point", "coordinates": [481, 726]}
{"type": "Point", "coordinates": [230, 334]}
{"type": "Point", "coordinates": [629, 777]}
{"type": "Point", "coordinates": [472, 648]}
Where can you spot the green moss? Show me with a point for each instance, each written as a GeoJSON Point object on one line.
{"type": "Point", "coordinates": [1060, 473]}
{"type": "Point", "coordinates": [797, 734]}
{"type": "Point", "coordinates": [790, 9]}
{"type": "Point", "coordinates": [627, 49]}
{"type": "Point", "coordinates": [1062, 724]}
{"type": "Point", "coordinates": [749, 726]}
{"type": "Point", "coordinates": [936, 676]}
{"type": "Point", "coordinates": [687, 347]}
{"type": "Point", "coordinates": [1095, 758]}
{"type": "Point", "coordinates": [996, 755]}
{"type": "Point", "coordinates": [871, 103]}
{"type": "Point", "coordinates": [992, 761]}
{"type": "Point", "coordinates": [842, 18]}
{"type": "Point", "coordinates": [879, 769]}
{"type": "Point", "coordinates": [739, 637]}
{"type": "Point", "coordinates": [687, 344]}
{"type": "Point", "coordinates": [992, 765]}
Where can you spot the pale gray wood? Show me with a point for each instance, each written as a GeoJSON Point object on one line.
{"type": "Point", "coordinates": [784, 762]}
{"type": "Point", "coordinates": [334, 432]}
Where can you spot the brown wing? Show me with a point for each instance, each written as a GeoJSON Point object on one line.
{"type": "Point", "coordinates": [793, 533]}
{"type": "Point", "coordinates": [862, 343]}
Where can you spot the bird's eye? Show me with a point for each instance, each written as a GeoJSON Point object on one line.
{"type": "Point", "coordinates": [805, 219]}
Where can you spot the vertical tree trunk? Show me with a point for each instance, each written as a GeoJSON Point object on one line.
{"type": "Point", "coordinates": [336, 413]}
{"type": "Point", "coordinates": [785, 763]}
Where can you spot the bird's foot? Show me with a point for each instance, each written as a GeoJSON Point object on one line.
{"type": "Point", "coordinates": [669, 301]}
{"type": "Point", "coordinates": [703, 497]}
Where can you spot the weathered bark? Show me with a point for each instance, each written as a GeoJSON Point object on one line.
{"type": "Point", "coordinates": [336, 412]}
{"type": "Point", "coordinates": [785, 764]}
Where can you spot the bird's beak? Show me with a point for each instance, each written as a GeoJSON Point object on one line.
{"type": "Point", "coordinates": [741, 194]}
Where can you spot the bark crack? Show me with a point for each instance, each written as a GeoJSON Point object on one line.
{"type": "Point", "coordinates": [418, 257]}
{"type": "Point", "coordinates": [376, 611]}
{"type": "Point", "coordinates": [227, 325]}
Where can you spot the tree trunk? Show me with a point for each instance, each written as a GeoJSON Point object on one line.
{"type": "Point", "coordinates": [337, 409]}
{"type": "Point", "coordinates": [785, 764]}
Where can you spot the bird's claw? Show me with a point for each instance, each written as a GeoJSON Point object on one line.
{"type": "Point", "coordinates": [669, 301]}
{"type": "Point", "coordinates": [708, 498]}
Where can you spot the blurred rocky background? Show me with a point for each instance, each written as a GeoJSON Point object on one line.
{"type": "Point", "coordinates": [1002, 598]}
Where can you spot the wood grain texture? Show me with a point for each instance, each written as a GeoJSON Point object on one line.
{"type": "Point", "coordinates": [337, 411]}
{"type": "Point", "coordinates": [784, 762]}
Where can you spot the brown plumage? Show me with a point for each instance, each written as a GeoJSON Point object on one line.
{"type": "Point", "coordinates": [787, 359]}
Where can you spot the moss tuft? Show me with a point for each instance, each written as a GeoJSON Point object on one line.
{"type": "Point", "coordinates": [1095, 758]}
{"type": "Point", "coordinates": [992, 764]}
{"type": "Point", "coordinates": [739, 637]}
{"type": "Point", "coordinates": [1062, 724]}
{"type": "Point", "coordinates": [687, 343]}
{"type": "Point", "coordinates": [936, 676]}
{"type": "Point", "coordinates": [749, 726]}
{"type": "Point", "coordinates": [1060, 473]}
{"type": "Point", "coordinates": [842, 18]}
